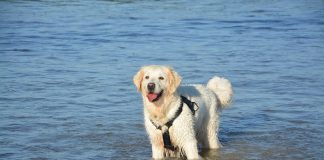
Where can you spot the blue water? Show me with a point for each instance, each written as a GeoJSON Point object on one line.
{"type": "Point", "coordinates": [66, 71]}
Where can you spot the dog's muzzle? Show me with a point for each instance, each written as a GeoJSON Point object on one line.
{"type": "Point", "coordinates": [151, 87]}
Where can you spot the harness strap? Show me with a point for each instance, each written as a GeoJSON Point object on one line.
{"type": "Point", "coordinates": [193, 106]}
{"type": "Point", "coordinates": [167, 141]}
{"type": "Point", "coordinates": [165, 128]}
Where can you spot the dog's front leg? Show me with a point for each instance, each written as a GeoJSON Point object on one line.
{"type": "Point", "coordinates": [157, 152]}
{"type": "Point", "coordinates": [191, 149]}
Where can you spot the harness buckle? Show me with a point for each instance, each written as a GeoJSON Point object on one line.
{"type": "Point", "coordinates": [195, 105]}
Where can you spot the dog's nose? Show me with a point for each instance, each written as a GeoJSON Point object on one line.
{"type": "Point", "coordinates": [151, 87]}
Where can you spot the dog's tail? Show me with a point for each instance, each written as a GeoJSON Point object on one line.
{"type": "Point", "coordinates": [222, 88]}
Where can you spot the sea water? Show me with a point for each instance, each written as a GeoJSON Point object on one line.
{"type": "Point", "coordinates": [66, 70]}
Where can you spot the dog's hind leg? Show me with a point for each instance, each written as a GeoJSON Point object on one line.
{"type": "Point", "coordinates": [211, 140]}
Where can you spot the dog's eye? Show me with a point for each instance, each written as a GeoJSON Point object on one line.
{"type": "Point", "coordinates": [147, 77]}
{"type": "Point", "coordinates": [161, 78]}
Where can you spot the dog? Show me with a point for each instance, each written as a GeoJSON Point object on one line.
{"type": "Point", "coordinates": [180, 118]}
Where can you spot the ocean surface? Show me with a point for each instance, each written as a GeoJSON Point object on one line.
{"type": "Point", "coordinates": [66, 70]}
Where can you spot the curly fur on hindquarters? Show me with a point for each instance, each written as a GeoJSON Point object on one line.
{"type": "Point", "coordinates": [188, 130]}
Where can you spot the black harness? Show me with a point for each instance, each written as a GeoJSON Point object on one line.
{"type": "Point", "coordinates": [165, 128]}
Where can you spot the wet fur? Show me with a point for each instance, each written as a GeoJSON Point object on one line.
{"type": "Point", "coordinates": [187, 130]}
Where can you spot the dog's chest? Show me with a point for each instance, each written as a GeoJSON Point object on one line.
{"type": "Point", "coordinates": [159, 141]}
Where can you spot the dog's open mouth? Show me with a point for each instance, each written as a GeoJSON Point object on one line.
{"type": "Point", "coordinates": [152, 97]}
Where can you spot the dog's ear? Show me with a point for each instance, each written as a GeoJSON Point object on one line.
{"type": "Point", "coordinates": [138, 78]}
{"type": "Point", "coordinates": [174, 80]}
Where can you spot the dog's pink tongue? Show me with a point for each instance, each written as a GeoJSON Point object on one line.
{"type": "Point", "coordinates": [152, 96]}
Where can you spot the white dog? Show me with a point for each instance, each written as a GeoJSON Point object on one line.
{"type": "Point", "coordinates": [179, 118]}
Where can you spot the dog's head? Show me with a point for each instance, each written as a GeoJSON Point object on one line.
{"type": "Point", "coordinates": [156, 82]}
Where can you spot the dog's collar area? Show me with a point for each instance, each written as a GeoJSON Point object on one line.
{"type": "Point", "coordinates": [165, 128]}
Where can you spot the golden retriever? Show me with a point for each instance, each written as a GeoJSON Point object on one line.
{"type": "Point", "coordinates": [179, 118]}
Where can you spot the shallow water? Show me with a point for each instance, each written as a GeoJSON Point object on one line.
{"type": "Point", "coordinates": [66, 71]}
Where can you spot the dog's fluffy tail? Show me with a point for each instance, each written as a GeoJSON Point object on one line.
{"type": "Point", "coordinates": [222, 88]}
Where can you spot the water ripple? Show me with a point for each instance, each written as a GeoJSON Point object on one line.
{"type": "Point", "coordinates": [66, 72]}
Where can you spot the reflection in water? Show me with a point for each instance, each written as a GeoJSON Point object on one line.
{"type": "Point", "coordinates": [210, 154]}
